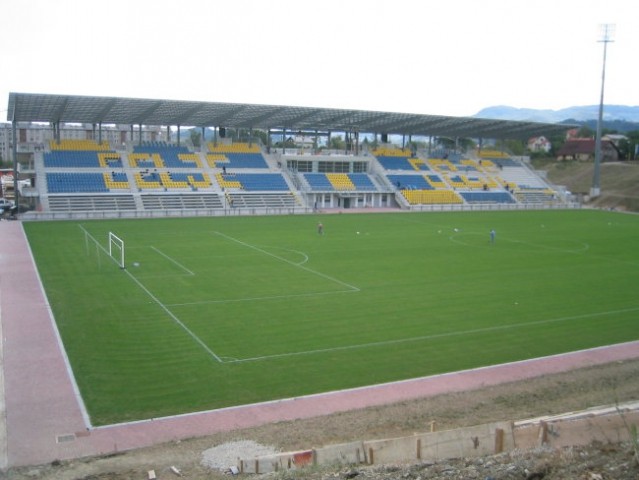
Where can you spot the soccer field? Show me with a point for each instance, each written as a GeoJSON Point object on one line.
{"type": "Point", "coordinates": [216, 312]}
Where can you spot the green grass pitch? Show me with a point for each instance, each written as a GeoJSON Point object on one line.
{"type": "Point", "coordinates": [216, 312]}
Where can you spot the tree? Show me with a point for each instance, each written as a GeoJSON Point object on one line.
{"type": "Point", "coordinates": [467, 144]}
{"type": "Point", "coordinates": [633, 142]}
{"type": "Point", "coordinates": [445, 142]}
{"type": "Point", "coordinates": [260, 135]}
{"type": "Point", "coordinates": [337, 143]}
{"type": "Point", "coordinates": [196, 137]}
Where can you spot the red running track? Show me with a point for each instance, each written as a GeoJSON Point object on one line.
{"type": "Point", "coordinates": [44, 418]}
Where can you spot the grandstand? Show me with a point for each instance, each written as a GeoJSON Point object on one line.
{"type": "Point", "coordinates": [135, 178]}
{"type": "Point", "coordinates": [82, 178]}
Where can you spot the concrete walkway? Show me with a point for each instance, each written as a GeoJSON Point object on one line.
{"type": "Point", "coordinates": [41, 418]}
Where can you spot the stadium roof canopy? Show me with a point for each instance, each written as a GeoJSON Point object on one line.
{"type": "Point", "coordinates": [28, 107]}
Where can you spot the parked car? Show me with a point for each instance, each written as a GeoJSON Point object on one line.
{"type": "Point", "coordinates": [6, 205]}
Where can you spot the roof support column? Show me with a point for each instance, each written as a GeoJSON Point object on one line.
{"type": "Point", "coordinates": [139, 134]}
{"type": "Point", "coordinates": [16, 193]}
{"type": "Point", "coordinates": [178, 134]}
{"type": "Point", "coordinates": [203, 142]}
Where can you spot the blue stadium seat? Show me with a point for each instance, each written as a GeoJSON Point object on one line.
{"type": "Point", "coordinates": [76, 183]}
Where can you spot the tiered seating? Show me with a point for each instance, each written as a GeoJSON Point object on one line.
{"type": "Point", "coordinates": [386, 151]}
{"type": "Point", "coordinates": [145, 160]}
{"type": "Point", "coordinates": [442, 165]}
{"type": "Point", "coordinates": [418, 164]}
{"type": "Point", "coordinates": [192, 201]}
{"type": "Point", "coordinates": [148, 180]}
{"type": "Point", "coordinates": [172, 156]}
{"type": "Point", "coordinates": [468, 163]}
{"type": "Point", "coordinates": [435, 181]}
{"type": "Point", "coordinates": [430, 197]}
{"type": "Point", "coordinates": [80, 154]}
{"type": "Point", "coordinates": [261, 181]}
{"type": "Point", "coordinates": [484, 183]}
{"type": "Point", "coordinates": [94, 203]}
{"type": "Point", "coordinates": [109, 159]}
{"type": "Point", "coordinates": [266, 200]}
{"type": "Point", "coordinates": [410, 182]}
{"type": "Point", "coordinates": [536, 196]}
{"type": "Point", "coordinates": [116, 180]}
{"type": "Point", "coordinates": [235, 155]}
{"type": "Point", "coordinates": [395, 162]}
{"type": "Point", "coordinates": [362, 181]}
{"type": "Point", "coordinates": [189, 159]}
{"type": "Point", "coordinates": [71, 159]}
{"type": "Point", "coordinates": [505, 162]}
{"type": "Point", "coordinates": [75, 182]}
{"type": "Point", "coordinates": [79, 145]}
{"type": "Point", "coordinates": [216, 160]}
{"type": "Point", "coordinates": [456, 181]}
{"type": "Point", "coordinates": [318, 181]}
{"type": "Point", "coordinates": [235, 147]}
{"type": "Point", "coordinates": [192, 179]}
{"type": "Point", "coordinates": [487, 197]}
{"type": "Point", "coordinates": [340, 181]}
{"type": "Point", "coordinates": [227, 181]}
{"type": "Point", "coordinates": [172, 180]}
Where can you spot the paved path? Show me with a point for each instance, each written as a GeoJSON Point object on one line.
{"type": "Point", "coordinates": [42, 419]}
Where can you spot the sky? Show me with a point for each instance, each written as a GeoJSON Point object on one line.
{"type": "Point", "coordinates": [444, 57]}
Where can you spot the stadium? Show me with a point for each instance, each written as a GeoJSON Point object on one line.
{"type": "Point", "coordinates": [156, 288]}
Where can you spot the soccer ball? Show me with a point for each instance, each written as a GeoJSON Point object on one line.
{"type": "Point", "coordinates": [357, 233]}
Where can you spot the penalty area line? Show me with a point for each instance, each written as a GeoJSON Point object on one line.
{"type": "Point", "coordinates": [197, 339]}
{"type": "Point", "coordinates": [431, 337]}
{"type": "Point", "coordinates": [172, 260]}
{"type": "Point", "coordinates": [298, 265]}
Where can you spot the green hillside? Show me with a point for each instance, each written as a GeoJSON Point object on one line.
{"type": "Point", "coordinates": [619, 181]}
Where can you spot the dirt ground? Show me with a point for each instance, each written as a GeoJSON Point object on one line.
{"type": "Point", "coordinates": [552, 394]}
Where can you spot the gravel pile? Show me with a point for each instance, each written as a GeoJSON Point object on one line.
{"type": "Point", "coordinates": [222, 457]}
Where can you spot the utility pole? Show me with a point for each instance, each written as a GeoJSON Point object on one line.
{"type": "Point", "coordinates": [607, 32]}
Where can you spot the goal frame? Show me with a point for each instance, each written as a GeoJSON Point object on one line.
{"type": "Point", "coordinates": [118, 243]}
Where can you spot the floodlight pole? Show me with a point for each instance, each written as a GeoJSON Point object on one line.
{"type": "Point", "coordinates": [607, 31]}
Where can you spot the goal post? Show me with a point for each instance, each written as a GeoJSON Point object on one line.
{"type": "Point", "coordinates": [116, 249]}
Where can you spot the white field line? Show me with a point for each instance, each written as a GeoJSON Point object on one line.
{"type": "Point", "coordinates": [431, 337]}
{"type": "Point", "coordinates": [163, 307]}
{"type": "Point", "coordinates": [298, 265]}
{"type": "Point", "coordinates": [253, 299]}
{"type": "Point", "coordinates": [175, 319]}
{"type": "Point", "coordinates": [175, 262]}
{"type": "Point", "coordinates": [98, 244]}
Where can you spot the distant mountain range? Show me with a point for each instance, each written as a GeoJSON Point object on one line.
{"type": "Point", "coordinates": [612, 115]}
